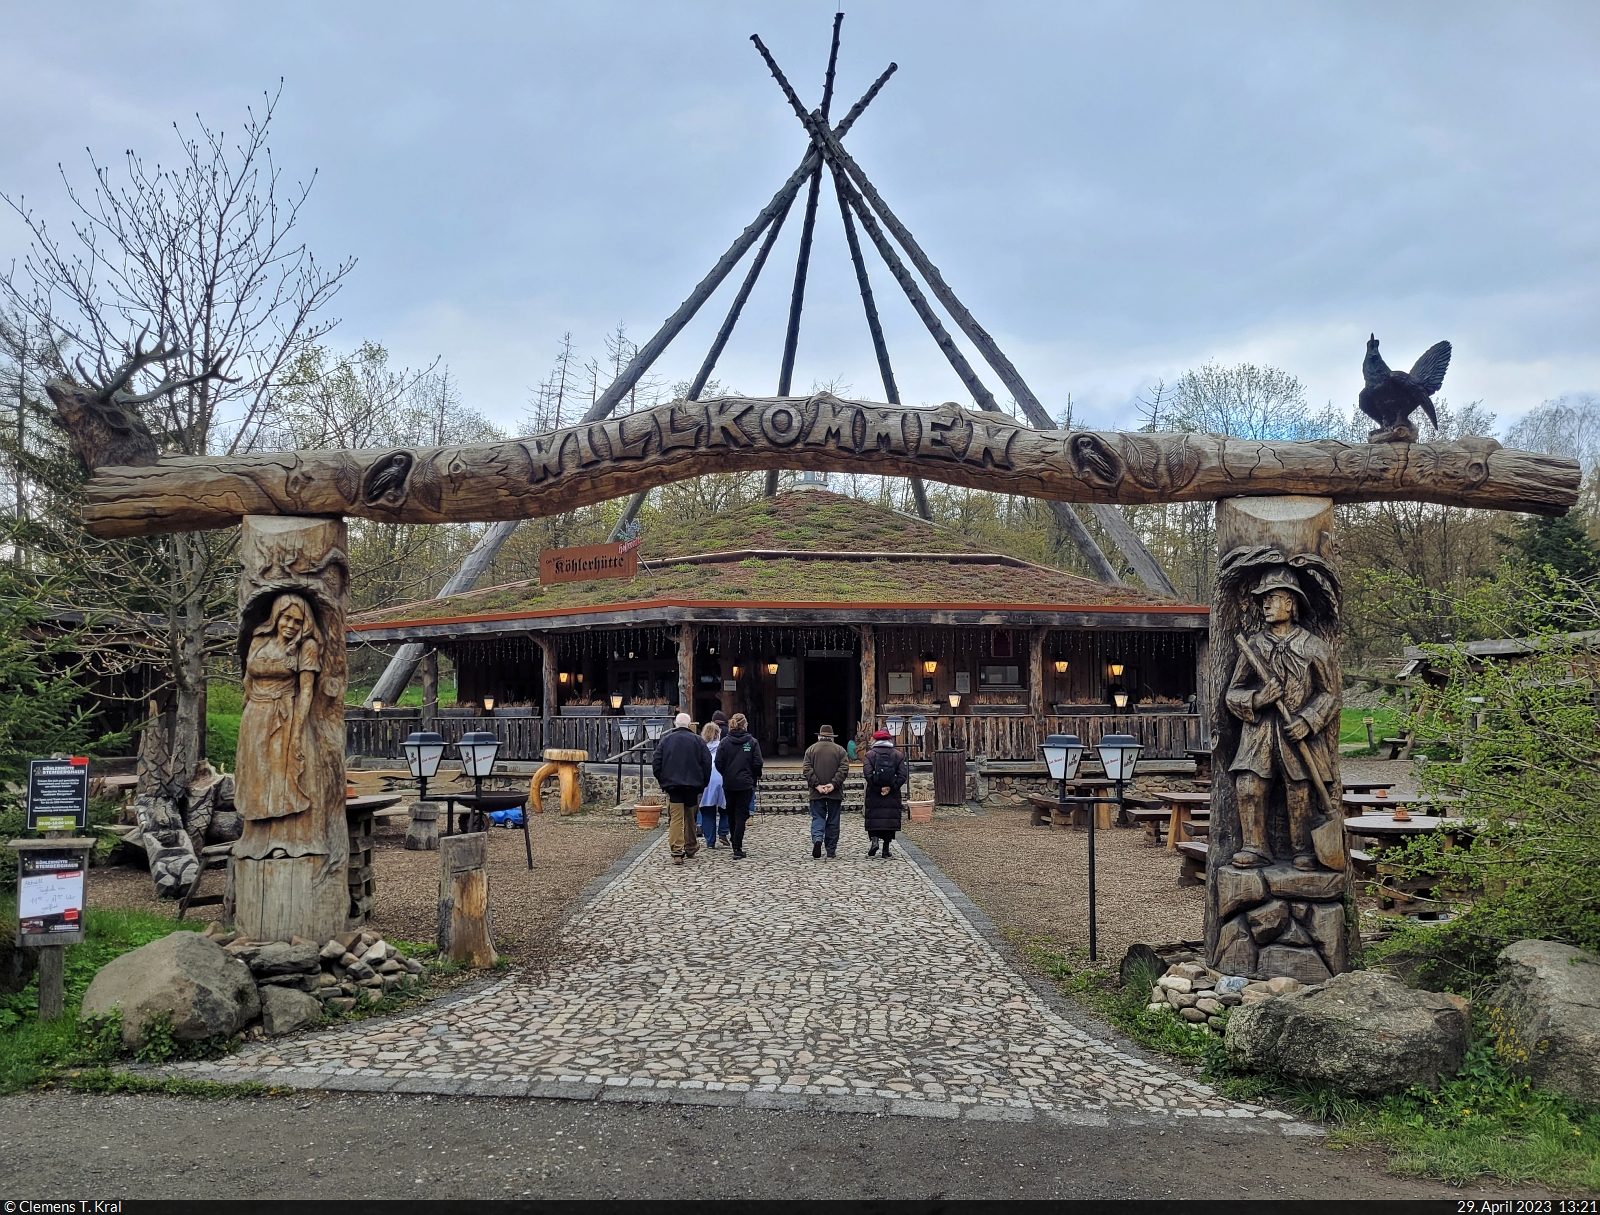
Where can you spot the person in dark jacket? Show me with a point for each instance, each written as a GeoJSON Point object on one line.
{"type": "Point", "coordinates": [739, 761]}
{"type": "Point", "coordinates": [825, 769]}
{"type": "Point", "coordinates": [682, 767]}
{"type": "Point", "coordinates": [886, 773]}
{"type": "Point", "coordinates": [720, 720]}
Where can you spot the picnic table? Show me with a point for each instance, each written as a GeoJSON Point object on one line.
{"type": "Point", "coordinates": [1182, 806]}
{"type": "Point", "coordinates": [1047, 810]}
{"type": "Point", "coordinates": [1367, 786]}
{"type": "Point", "coordinates": [1151, 819]}
{"type": "Point", "coordinates": [1364, 803]}
{"type": "Point", "coordinates": [1407, 893]}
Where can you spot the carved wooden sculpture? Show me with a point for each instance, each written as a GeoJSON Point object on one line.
{"type": "Point", "coordinates": [289, 865]}
{"type": "Point", "coordinates": [1275, 899]}
{"type": "Point", "coordinates": [575, 466]}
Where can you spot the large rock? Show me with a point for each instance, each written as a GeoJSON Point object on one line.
{"type": "Point", "coordinates": [184, 975]}
{"type": "Point", "coordinates": [284, 1010]}
{"type": "Point", "coordinates": [1367, 1033]}
{"type": "Point", "coordinates": [1548, 1008]}
{"type": "Point", "coordinates": [283, 958]}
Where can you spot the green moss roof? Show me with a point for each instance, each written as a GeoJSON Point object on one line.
{"type": "Point", "coordinates": [802, 521]}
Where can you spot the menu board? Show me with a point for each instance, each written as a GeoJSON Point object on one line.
{"type": "Point", "coordinates": [49, 895]}
{"type": "Point", "coordinates": [58, 794]}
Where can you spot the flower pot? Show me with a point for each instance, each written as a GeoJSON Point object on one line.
{"type": "Point", "coordinates": [921, 812]}
{"type": "Point", "coordinates": [647, 814]}
{"type": "Point", "coordinates": [583, 710]}
{"type": "Point", "coordinates": [646, 711]}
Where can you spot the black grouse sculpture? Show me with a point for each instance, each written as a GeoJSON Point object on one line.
{"type": "Point", "coordinates": [1390, 396]}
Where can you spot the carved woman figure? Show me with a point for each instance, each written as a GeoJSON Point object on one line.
{"type": "Point", "coordinates": [275, 786]}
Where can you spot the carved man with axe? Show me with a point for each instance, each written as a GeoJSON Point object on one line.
{"type": "Point", "coordinates": [1284, 693]}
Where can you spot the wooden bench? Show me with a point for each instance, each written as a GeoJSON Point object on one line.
{"type": "Point", "coordinates": [1193, 872]}
{"type": "Point", "coordinates": [1151, 819]}
{"type": "Point", "coordinates": [1391, 747]}
{"type": "Point", "coordinates": [212, 856]}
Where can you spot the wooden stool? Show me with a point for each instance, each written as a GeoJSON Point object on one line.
{"type": "Point", "coordinates": [560, 762]}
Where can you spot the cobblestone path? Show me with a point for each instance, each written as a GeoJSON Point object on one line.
{"type": "Point", "coordinates": [776, 981]}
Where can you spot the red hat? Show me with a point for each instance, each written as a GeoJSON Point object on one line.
{"type": "Point", "coordinates": [881, 734]}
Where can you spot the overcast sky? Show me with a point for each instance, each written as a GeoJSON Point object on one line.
{"type": "Point", "coordinates": [1118, 191]}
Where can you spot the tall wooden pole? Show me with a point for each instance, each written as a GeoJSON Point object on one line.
{"type": "Point", "coordinates": [651, 350]}
{"type": "Point", "coordinates": [1128, 541]}
{"type": "Point", "coordinates": [875, 327]}
{"type": "Point", "coordinates": [797, 297]}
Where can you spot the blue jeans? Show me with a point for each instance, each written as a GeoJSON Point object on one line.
{"type": "Point", "coordinates": [825, 823]}
{"type": "Point", "coordinates": [714, 822]}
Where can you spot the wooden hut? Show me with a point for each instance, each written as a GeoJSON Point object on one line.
{"type": "Point", "coordinates": [805, 609]}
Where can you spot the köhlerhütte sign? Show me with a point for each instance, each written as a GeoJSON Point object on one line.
{"type": "Point", "coordinates": [587, 562]}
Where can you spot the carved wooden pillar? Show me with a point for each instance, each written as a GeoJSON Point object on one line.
{"type": "Point", "coordinates": [687, 634]}
{"type": "Point", "coordinates": [548, 676]}
{"type": "Point", "coordinates": [1277, 875]}
{"type": "Point", "coordinates": [290, 865]}
{"type": "Point", "coordinates": [869, 685]}
{"type": "Point", "coordinates": [430, 688]}
{"type": "Point", "coordinates": [1202, 682]}
{"type": "Point", "coordinates": [1036, 673]}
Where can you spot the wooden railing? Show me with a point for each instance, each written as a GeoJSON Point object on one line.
{"type": "Point", "coordinates": [520, 737]}
{"type": "Point", "coordinates": [1012, 737]}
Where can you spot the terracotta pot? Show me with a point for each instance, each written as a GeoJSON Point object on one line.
{"type": "Point", "coordinates": [1402, 816]}
{"type": "Point", "coordinates": [647, 814]}
{"type": "Point", "coordinates": [921, 812]}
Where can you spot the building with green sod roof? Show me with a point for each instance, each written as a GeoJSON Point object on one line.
{"type": "Point", "coordinates": [802, 610]}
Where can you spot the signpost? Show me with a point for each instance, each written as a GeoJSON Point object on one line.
{"type": "Point", "coordinates": [589, 562]}
{"type": "Point", "coordinates": [58, 794]}
{"type": "Point", "coordinates": [51, 872]}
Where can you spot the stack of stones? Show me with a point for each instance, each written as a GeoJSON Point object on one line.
{"type": "Point", "coordinates": [351, 968]}
{"type": "Point", "coordinates": [1199, 995]}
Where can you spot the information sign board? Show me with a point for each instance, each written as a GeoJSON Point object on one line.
{"type": "Point", "coordinates": [58, 794]}
{"type": "Point", "coordinates": [50, 895]}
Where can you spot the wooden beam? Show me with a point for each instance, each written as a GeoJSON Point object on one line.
{"type": "Point", "coordinates": [869, 684]}
{"type": "Point", "coordinates": [580, 465]}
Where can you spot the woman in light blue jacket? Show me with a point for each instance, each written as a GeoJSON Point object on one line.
{"type": "Point", "coordinates": [714, 822]}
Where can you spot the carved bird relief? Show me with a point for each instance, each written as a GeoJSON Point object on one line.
{"type": "Point", "coordinates": [1390, 396]}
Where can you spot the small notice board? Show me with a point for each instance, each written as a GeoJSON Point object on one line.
{"type": "Point", "coordinates": [50, 890]}
{"type": "Point", "coordinates": [58, 794]}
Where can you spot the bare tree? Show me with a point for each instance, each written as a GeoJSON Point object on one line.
{"type": "Point", "coordinates": [205, 257]}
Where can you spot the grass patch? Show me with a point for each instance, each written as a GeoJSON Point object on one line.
{"type": "Point", "coordinates": [104, 1080]}
{"type": "Point", "coordinates": [1125, 1007]}
{"type": "Point", "coordinates": [1484, 1124]}
{"type": "Point", "coordinates": [1352, 728]}
{"type": "Point", "coordinates": [34, 1051]}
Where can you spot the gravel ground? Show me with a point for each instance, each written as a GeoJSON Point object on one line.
{"type": "Point", "coordinates": [568, 853]}
{"type": "Point", "coordinates": [1034, 881]}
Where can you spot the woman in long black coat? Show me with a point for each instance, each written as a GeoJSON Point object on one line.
{"type": "Point", "coordinates": [887, 774]}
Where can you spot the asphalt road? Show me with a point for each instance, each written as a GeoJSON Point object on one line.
{"type": "Point", "coordinates": [371, 1146]}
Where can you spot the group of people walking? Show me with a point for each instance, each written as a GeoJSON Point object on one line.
{"type": "Point", "coordinates": [710, 781]}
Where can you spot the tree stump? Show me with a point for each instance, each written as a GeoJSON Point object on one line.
{"type": "Point", "coordinates": [423, 833]}
{"type": "Point", "coordinates": [466, 925]}
{"type": "Point", "coordinates": [562, 763]}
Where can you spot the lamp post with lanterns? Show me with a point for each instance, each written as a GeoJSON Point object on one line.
{"type": "Point", "coordinates": [423, 751]}
{"type": "Point", "coordinates": [1119, 754]}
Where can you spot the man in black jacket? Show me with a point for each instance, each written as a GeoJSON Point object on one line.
{"type": "Point", "coordinates": [739, 761]}
{"type": "Point", "coordinates": [682, 767]}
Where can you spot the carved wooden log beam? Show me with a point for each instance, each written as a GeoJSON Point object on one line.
{"type": "Point", "coordinates": [559, 470]}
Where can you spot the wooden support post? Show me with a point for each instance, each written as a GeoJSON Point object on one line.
{"type": "Point", "coordinates": [466, 923]}
{"type": "Point", "coordinates": [430, 688]}
{"type": "Point", "coordinates": [548, 678]}
{"type": "Point", "coordinates": [52, 988]}
{"type": "Point", "coordinates": [1277, 871]}
{"type": "Point", "coordinates": [687, 633]}
{"type": "Point", "coordinates": [1202, 696]}
{"type": "Point", "coordinates": [869, 685]}
{"type": "Point", "coordinates": [290, 866]}
{"type": "Point", "coordinates": [1036, 674]}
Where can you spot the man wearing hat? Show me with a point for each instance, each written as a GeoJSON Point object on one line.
{"type": "Point", "coordinates": [1290, 709]}
{"type": "Point", "coordinates": [826, 766]}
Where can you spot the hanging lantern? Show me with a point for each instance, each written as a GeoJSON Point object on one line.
{"type": "Point", "coordinates": [930, 664]}
{"type": "Point", "coordinates": [1061, 665]}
